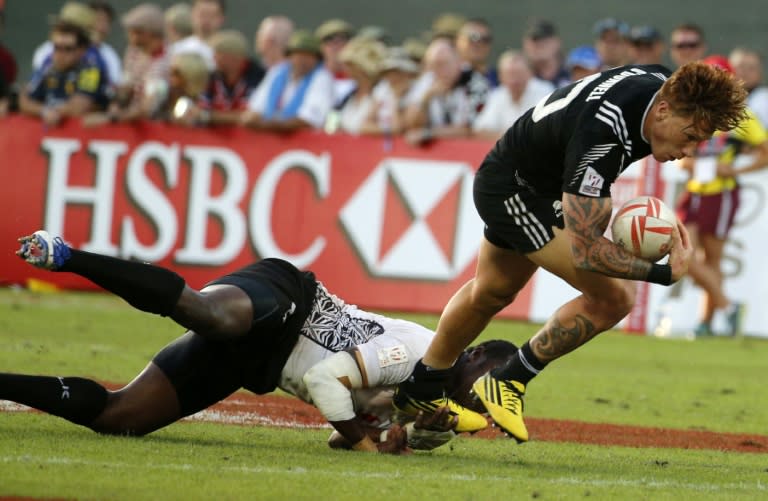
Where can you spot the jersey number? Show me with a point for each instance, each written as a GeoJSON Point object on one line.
{"type": "Point", "coordinates": [542, 110]}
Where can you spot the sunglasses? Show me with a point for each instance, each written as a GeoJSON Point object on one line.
{"type": "Point", "coordinates": [336, 37]}
{"type": "Point", "coordinates": [687, 45]}
{"type": "Point", "coordinates": [64, 48]}
{"type": "Point", "coordinates": [478, 38]}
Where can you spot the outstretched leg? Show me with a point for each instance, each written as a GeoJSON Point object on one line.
{"type": "Point", "coordinates": [224, 315]}
{"type": "Point", "coordinates": [188, 375]}
{"type": "Point", "coordinates": [149, 402]}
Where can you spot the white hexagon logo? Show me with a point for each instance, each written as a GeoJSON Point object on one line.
{"type": "Point", "coordinates": [416, 253]}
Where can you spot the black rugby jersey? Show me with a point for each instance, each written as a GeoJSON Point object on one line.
{"type": "Point", "coordinates": [581, 137]}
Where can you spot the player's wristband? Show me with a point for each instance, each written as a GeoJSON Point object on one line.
{"type": "Point", "coordinates": [660, 274]}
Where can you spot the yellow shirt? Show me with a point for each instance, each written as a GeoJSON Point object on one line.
{"type": "Point", "coordinates": [722, 148]}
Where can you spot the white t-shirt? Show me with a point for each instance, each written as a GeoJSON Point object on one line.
{"type": "Point", "coordinates": [500, 111]}
{"type": "Point", "coordinates": [454, 104]}
{"type": "Point", "coordinates": [317, 99]}
{"type": "Point", "coordinates": [193, 45]}
{"type": "Point", "coordinates": [758, 103]}
{"type": "Point", "coordinates": [389, 349]}
{"type": "Point", "coordinates": [354, 113]}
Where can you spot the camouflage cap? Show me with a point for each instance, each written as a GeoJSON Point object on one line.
{"type": "Point", "coordinates": [334, 27]}
{"type": "Point", "coordinates": [304, 41]}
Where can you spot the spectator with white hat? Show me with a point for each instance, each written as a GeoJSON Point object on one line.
{"type": "Point", "coordinates": [361, 58]}
{"type": "Point", "coordinates": [397, 72]}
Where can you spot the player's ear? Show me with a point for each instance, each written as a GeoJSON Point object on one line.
{"type": "Point", "coordinates": [662, 110]}
{"type": "Point", "coordinates": [477, 351]}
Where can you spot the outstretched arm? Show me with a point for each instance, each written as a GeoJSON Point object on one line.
{"type": "Point", "coordinates": [586, 219]}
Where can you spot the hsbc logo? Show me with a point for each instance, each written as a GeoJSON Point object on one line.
{"type": "Point", "coordinates": [414, 219]}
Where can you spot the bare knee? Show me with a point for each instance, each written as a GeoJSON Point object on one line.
{"type": "Point", "coordinates": [612, 304]}
{"type": "Point", "coordinates": [120, 418]}
{"type": "Point", "coordinates": [491, 300]}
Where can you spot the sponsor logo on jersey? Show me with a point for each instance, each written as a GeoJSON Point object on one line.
{"type": "Point", "coordinates": [557, 206]}
{"type": "Point", "coordinates": [392, 355]}
{"type": "Point", "coordinates": [290, 311]}
{"type": "Point", "coordinates": [592, 183]}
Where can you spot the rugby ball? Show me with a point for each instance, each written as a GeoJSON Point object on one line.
{"type": "Point", "coordinates": [643, 226]}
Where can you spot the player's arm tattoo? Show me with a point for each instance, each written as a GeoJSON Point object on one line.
{"type": "Point", "coordinates": [586, 219]}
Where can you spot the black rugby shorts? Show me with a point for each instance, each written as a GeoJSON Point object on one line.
{"type": "Point", "coordinates": [515, 216]}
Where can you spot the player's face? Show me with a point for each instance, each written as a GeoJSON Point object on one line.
{"type": "Point", "coordinates": [674, 136]}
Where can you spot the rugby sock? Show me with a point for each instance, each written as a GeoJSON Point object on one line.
{"type": "Point", "coordinates": [75, 399]}
{"type": "Point", "coordinates": [522, 367]}
{"type": "Point", "coordinates": [425, 382]}
{"type": "Point", "coordinates": [144, 286]}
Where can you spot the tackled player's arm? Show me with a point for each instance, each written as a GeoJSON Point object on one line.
{"type": "Point", "coordinates": [586, 219]}
{"type": "Point", "coordinates": [329, 384]}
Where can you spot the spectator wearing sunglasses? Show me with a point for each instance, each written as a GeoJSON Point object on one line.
{"type": "Point", "coordinates": [686, 44]}
{"type": "Point", "coordinates": [474, 42]}
{"type": "Point", "coordinates": [67, 85]}
{"type": "Point", "coordinates": [334, 35]}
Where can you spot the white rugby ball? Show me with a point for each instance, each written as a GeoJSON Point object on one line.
{"type": "Point", "coordinates": [643, 226]}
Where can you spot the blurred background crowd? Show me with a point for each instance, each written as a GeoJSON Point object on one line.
{"type": "Point", "coordinates": [183, 64]}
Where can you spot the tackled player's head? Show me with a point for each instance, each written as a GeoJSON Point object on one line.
{"type": "Point", "coordinates": [473, 363]}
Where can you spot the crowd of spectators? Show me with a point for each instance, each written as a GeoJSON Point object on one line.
{"type": "Point", "coordinates": [183, 65]}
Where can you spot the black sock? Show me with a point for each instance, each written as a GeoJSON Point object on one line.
{"type": "Point", "coordinates": [72, 398]}
{"type": "Point", "coordinates": [144, 286]}
{"type": "Point", "coordinates": [425, 382]}
{"type": "Point", "coordinates": [522, 367]}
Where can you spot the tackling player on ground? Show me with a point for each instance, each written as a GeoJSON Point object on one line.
{"type": "Point", "coordinates": [544, 194]}
{"type": "Point", "coordinates": [264, 326]}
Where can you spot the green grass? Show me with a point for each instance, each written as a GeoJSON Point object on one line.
{"type": "Point", "coordinates": [713, 384]}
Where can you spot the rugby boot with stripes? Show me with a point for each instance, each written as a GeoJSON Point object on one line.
{"type": "Point", "coordinates": [408, 407]}
{"type": "Point", "coordinates": [504, 402]}
{"type": "Point", "coordinates": [42, 250]}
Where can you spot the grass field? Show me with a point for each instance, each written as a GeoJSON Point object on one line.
{"type": "Point", "coordinates": [711, 384]}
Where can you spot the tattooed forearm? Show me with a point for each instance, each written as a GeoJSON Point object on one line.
{"type": "Point", "coordinates": [556, 339]}
{"type": "Point", "coordinates": [586, 220]}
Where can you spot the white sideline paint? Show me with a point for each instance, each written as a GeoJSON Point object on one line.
{"type": "Point", "coordinates": [642, 482]}
{"type": "Point", "coordinates": [240, 417]}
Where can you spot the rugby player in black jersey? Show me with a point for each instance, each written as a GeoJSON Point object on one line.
{"type": "Point", "coordinates": [543, 192]}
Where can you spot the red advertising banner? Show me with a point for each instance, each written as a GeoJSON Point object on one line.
{"type": "Point", "coordinates": [383, 224]}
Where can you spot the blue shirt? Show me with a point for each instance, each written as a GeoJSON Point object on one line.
{"type": "Point", "coordinates": [89, 77]}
